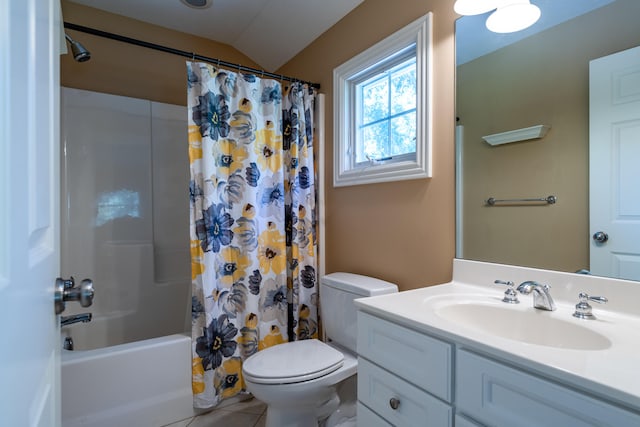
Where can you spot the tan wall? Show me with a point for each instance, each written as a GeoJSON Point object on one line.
{"type": "Point", "coordinates": [402, 231]}
{"type": "Point", "coordinates": [123, 69]}
{"type": "Point", "coordinates": [542, 80]}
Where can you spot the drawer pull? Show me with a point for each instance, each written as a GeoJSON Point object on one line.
{"type": "Point", "coordinates": [394, 403]}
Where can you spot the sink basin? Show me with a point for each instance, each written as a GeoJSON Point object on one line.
{"type": "Point", "coordinates": [530, 326]}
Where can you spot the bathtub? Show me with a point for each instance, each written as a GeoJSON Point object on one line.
{"type": "Point", "coordinates": [143, 384]}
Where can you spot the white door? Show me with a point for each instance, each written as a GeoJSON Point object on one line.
{"type": "Point", "coordinates": [614, 165]}
{"type": "Point", "coordinates": [29, 230]}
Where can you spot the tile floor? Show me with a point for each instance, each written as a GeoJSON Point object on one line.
{"type": "Point", "coordinates": [248, 413]}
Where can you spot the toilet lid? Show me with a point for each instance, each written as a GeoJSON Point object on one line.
{"type": "Point", "coordinates": [292, 362]}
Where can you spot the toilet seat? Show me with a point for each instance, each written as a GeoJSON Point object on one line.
{"type": "Point", "coordinates": [292, 362]}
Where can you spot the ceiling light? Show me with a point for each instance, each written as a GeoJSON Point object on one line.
{"type": "Point", "coordinates": [513, 15]}
{"type": "Point", "coordinates": [197, 4]}
{"type": "Point", "coordinates": [474, 7]}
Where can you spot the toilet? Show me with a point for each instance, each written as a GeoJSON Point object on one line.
{"type": "Point", "coordinates": [308, 382]}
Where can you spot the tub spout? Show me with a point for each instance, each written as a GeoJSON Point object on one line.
{"type": "Point", "coordinates": [75, 318]}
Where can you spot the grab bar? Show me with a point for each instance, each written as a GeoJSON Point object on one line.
{"type": "Point", "coordinates": [548, 200]}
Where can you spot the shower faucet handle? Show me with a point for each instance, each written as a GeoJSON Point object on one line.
{"type": "Point", "coordinates": [69, 284]}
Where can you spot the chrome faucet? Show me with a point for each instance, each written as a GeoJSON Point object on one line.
{"type": "Point", "coordinates": [541, 296]}
{"type": "Point", "coordinates": [75, 318]}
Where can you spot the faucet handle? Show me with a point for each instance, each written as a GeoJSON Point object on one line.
{"type": "Point", "coordinates": [510, 295]}
{"type": "Point", "coordinates": [584, 309]}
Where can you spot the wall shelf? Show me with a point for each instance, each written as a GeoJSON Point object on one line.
{"type": "Point", "coordinates": [524, 134]}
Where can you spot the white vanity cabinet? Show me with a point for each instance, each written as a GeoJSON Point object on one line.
{"type": "Point", "coordinates": [404, 376]}
{"type": "Point", "coordinates": [407, 378]}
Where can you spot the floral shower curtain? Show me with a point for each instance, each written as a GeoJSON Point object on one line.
{"type": "Point", "coordinates": [253, 243]}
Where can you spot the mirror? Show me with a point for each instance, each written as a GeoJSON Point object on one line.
{"type": "Point", "coordinates": [507, 82]}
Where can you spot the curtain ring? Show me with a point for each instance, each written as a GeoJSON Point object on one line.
{"type": "Point", "coordinates": [218, 63]}
{"type": "Point", "coordinates": [193, 56]}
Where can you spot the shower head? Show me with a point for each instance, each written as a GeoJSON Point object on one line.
{"type": "Point", "coordinates": [80, 54]}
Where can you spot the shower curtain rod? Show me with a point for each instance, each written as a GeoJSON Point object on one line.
{"type": "Point", "coordinates": [193, 56]}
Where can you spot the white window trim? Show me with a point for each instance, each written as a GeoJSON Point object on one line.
{"type": "Point", "coordinates": [419, 33]}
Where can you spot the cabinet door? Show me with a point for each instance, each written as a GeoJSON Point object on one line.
{"type": "Point", "coordinates": [422, 360]}
{"type": "Point", "coordinates": [497, 395]}
{"type": "Point", "coordinates": [411, 407]}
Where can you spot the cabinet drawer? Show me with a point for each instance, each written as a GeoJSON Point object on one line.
{"type": "Point", "coordinates": [367, 418]}
{"type": "Point", "coordinates": [502, 396]}
{"type": "Point", "coordinates": [418, 358]}
{"type": "Point", "coordinates": [376, 388]}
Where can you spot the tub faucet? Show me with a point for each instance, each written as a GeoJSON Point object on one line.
{"type": "Point", "coordinates": [75, 318]}
{"type": "Point", "coordinates": [541, 296]}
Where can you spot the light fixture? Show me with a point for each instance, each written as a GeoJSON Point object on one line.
{"type": "Point", "coordinates": [474, 7]}
{"type": "Point", "coordinates": [509, 15]}
{"type": "Point", "coordinates": [513, 16]}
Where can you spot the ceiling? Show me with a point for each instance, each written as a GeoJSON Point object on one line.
{"type": "Point", "coordinates": [270, 32]}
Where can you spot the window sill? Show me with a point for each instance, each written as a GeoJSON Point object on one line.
{"type": "Point", "coordinates": [400, 171]}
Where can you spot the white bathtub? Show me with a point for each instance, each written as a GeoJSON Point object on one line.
{"type": "Point", "coordinates": [144, 383]}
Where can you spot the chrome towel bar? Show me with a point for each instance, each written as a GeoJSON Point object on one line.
{"type": "Point", "coordinates": [550, 200]}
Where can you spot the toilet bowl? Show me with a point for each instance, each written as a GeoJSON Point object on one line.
{"type": "Point", "coordinates": [305, 393]}
{"type": "Point", "coordinates": [305, 382]}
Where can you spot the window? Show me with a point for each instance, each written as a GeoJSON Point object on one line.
{"type": "Point", "coordinates": [382, 114]}
{"type": "Point", "coordinates": [386, 113]}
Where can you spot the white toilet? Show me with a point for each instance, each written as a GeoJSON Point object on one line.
{"type": "Point", "coordinates": [309, 381]}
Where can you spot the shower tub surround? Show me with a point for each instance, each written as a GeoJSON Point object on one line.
{"type": "Point", "coordinates": [124, 224]}
{"type": "Point", "coordinates": [125, 216]}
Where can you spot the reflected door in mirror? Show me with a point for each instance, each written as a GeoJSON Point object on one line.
{"type": "Point", "coordinates": [614, 133]}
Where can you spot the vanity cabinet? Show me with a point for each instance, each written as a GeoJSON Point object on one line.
{"type": "Point", "coordinates": [406, 378]}
{"type": "Point", "coordinates": [403, 376]}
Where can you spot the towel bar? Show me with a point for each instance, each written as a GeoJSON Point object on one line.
{"type": "Point", "coordinates": [550, 200]}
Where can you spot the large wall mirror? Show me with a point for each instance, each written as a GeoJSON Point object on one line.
{"type": "Point", "coordinates": [541, 76]}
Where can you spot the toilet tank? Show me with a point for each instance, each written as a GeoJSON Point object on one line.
{"type": "Point", "coordinates": [338, 314]}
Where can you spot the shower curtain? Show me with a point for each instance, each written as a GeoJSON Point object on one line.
{"type": "Point", "coordinates": [253, 242]}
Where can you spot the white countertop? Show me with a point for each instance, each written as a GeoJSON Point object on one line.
{"type": "Point", "coordinates": [613, 372]}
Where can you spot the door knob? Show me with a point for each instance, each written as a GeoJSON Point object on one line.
{"type": "Point", "coordinates": [600, 237]}
{"type": "Point", "coordinates": [66, 290]}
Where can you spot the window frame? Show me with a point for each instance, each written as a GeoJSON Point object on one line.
{"type": "Point", "coordinates": [351, 73]}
